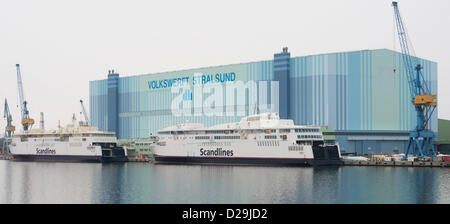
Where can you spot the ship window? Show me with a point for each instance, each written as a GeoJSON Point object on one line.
{"type": "Point", "coordinates": [201, 137]}
{"type": "Point", "coordinates": [307, 130]}
{"type": "Point", "coordinates": [270, 137]}
{"type": "Point", "coordinates": [215, 132]}
{"type": "Point", "coordinates": [309, 136]}
{"type": "Point", "coordinates": [164, 132]}
{"type": "Point", "coordinates": [285, 130]}
{"type": "Point", "coordinates": [227, 137]}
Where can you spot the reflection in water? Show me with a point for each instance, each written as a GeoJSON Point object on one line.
{"type": "Point", "coordinates": [110, 184]}
{"type": "Point", "coordinates": [32, 182]}
{"type": "Point", "coordinates": [326, 185]}
{"type": "Point", "coordinates": [443, 187]}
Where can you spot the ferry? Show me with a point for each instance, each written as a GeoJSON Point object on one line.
{"type": "Point", "coordinates": [262, 139]}
{"type": "Point", "coordinates": [81, 143]}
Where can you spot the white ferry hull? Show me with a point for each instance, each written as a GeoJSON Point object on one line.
{"type": "Point", "coordinates": [246, 153]}
{"type": "Point", "coordinates": [57, 158]}
{"type": "Point", "coordinates": [245, 161]}
{"type": "Point", "coordinates": [75, 151]}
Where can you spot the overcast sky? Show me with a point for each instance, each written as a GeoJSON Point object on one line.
{"type": "Point", "coordinates": [62, 45]}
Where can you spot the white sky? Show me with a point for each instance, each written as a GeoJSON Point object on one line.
{"type": "Point", "coordinates": [62, 45]}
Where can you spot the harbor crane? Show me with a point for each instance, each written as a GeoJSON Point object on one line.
{"type": "Point", "coordinates": [27, 122]}
{"type": "Point", "coordinates": [86, 117]}
{"type": "Point", "coordinates": [9, 130]}
{"type": "Point", "coordinates": [421, 138]}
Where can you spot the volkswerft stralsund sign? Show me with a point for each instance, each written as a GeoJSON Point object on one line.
{"type": "Point", "coordinates": [195, 80]}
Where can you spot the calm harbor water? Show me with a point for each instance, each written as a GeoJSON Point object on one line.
{"type": "Point", "coordinates": [134, 183]}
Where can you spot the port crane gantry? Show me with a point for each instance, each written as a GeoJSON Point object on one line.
{"type": "Point", "coordinates": [27, 122]}
{"type": "Point", "coordinates": [421, 138]}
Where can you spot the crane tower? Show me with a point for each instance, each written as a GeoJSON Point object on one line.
{"type": "Point", "coordinates": [421, 138]}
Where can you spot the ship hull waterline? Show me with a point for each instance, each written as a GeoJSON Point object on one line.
{"type": "Point", "coordinates": [67, 158]}
{"type": "Point", "coordinates": [159, 159]}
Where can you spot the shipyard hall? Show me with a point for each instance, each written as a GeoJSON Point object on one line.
{"type": "Point", "coordinates": [360, 99]}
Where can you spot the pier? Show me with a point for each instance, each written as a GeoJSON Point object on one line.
{"type": "Point", "coordinates": [5, 157]}
{"type": "Point", "coordinates": [397, 163]}
{"type": "Point", "coordinates": [140, 159]}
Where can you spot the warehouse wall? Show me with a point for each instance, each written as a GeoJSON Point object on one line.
{"type": "Point", "coordinates": [355, 91]}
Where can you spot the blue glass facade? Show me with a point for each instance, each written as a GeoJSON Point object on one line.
{"type": "Point", "coordinates": [354, 92]}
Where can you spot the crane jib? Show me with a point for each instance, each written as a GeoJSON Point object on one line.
{"type": "Point", "coordinates": [27, 122]}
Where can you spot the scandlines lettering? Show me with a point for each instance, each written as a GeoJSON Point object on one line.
{"type": "Point", "coordinates": [45, 151]}
{"type": "Point", "coordinates": [216, 152]}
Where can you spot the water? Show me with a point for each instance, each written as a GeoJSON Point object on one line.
{"type": "Point", "coordinates": [39, 182]}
